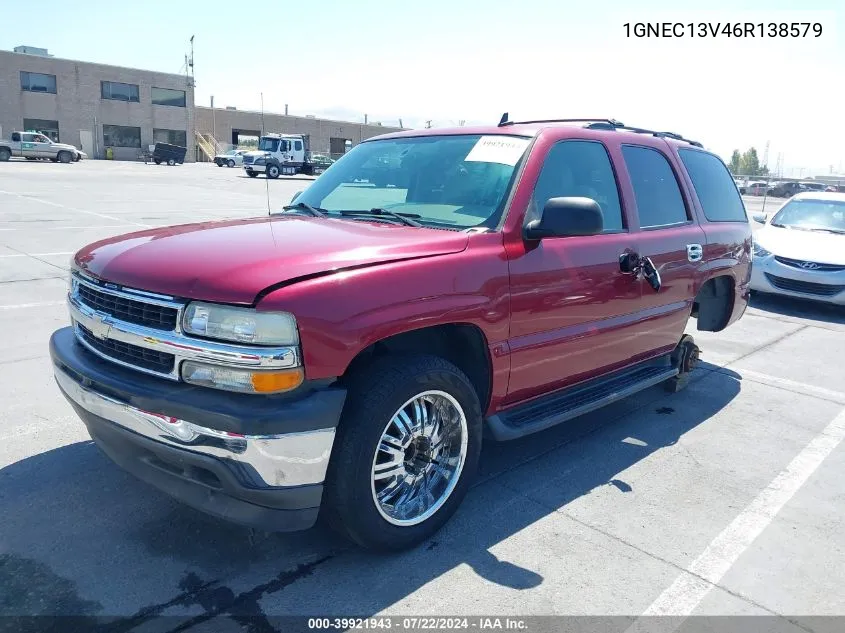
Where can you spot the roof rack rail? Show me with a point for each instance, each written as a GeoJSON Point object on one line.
{"type": "Point", "coordinates": [640, 130]}
{"type": "Point", "coordinates": [505, 120]}
{"type": "Point", "coordinates": [603, 124]}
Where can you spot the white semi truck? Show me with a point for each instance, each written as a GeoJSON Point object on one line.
{"type": "Point", "coordinates": [282, 155]}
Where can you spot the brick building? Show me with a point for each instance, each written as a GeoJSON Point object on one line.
{"type": "Point", "coordinates": [111, 110]}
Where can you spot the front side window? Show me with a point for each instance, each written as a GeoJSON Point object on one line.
{"type": "Point", "coordinates": [659, 199]}
{"type": "Point", "coordinates": [121, 136]}
{"type": "Point", "coordinates": [168, 97]}
{"type": "Point", "coordinates": [579, 169]}
{"type": "Point", "coordinates": [38, 82]}
{"type": "Point", "coordinates": [118, 91]}
{"type": "Point", "coordinates": [714, 187]}
{"type": "Point", "coordinates": [826, 216]}
{"type": "Point", "coordinates": [453, 181]}
{"type": "Point", "coordinates": [268, 144]}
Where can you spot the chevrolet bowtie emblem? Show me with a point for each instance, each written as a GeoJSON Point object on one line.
{"type": "Point", "coordinates": [100, 326]}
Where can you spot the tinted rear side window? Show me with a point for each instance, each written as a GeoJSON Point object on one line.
{"type": "Point", "coordinates": [714, 187]}
{"type": "Point", "coordinates": [659, 200]}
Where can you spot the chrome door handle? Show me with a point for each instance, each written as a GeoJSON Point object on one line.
{"type": "Point", "coordinates": [694, 252]}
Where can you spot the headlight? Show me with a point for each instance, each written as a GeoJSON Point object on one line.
{"type": "Point", "coordinates": [759, 251]}
{"type": "Point", "coordinates": [242, 380]}
{"type": "Point", "coordinates": [241, 325]}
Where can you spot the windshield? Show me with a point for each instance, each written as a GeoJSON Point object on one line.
{"type": "Point", "coordinates": [268, 144]}
{"type": "Point", "coordinates": [824, 215]}
{"type": "Point", "coordinates": [456, 181]}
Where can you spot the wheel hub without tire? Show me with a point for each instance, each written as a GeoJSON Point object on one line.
{"type": "Point", "coordinates": [419, 458]}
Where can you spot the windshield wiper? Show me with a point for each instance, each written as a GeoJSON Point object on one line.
{"type": "Point", "coordinates": [304, 206]}
{"type": "Point", "coordinates": [404, 218]}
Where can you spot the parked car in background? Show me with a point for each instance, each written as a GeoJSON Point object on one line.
{"type": "Point", "coordinates": [345, 356]}
{"type": "Point", "coordinates": [801, 250]}
{"type": "Point", "coordinates": [786, 189]}
{"type": "Point", "coordinates": [34, 146]}
{"type": "Point", "coordinates": [756, 189]}
{"type": "Point", "coordinates": [231, 158]}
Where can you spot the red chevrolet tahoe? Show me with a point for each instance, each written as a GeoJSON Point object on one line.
{"type": "Point", "coordinates": [345, 356]}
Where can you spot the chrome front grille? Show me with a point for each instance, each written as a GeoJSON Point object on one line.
{"type": "Point", "coordinates": [809, 265]}
{"type": "Point", "coordinates": [248, 160]}
{"type": "Point", "coordinates": [148, 359]}
{"type": "Point", "coordinates": [141, 330]}
{"type": "Point", "coordinates": [129, 310]}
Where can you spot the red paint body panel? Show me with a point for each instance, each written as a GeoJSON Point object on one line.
{"type": "Point", "coordinates": [340, 315]}
{"type": "Point", "coordinates": [553, 313]}
{"type": "Point", "coordinates": [232, 261]}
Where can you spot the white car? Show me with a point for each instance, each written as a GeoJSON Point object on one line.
{"type": "Point", "coordinates": [800, 252]}
{"type": "Point", "coordinates": [231, 158]}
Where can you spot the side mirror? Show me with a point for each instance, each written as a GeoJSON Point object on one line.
{"type": "Point", "coordinates": [295, 196]}
{"type": "Point", "coordinates": [564, 217]}
{"type": "Point", "coordinates": [760, 217]}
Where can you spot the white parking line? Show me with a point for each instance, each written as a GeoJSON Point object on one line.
{"type": "Point", "coordinates": [19, 306]}
{"type": "Point", "coordinates": [689, 589]}
{"type": "Point", "coordinates": [35, 254]}
{"type": "Point", "coordinates": [789, 385]}
{"type": "Point", "coordinates": [61, 206]}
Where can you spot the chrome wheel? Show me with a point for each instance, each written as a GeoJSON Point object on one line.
{"type": "Point", "coordinates": [419, 458]}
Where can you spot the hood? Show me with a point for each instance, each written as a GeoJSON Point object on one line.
{"type": "Point", "coordinates": [66, 146]}
{"type": "Point", "coordinates": [811, 246]}
{"type": "Point", "coordinates": [232, 261]}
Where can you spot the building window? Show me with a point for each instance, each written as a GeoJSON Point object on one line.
{"type": "Point", "coordinates": [174, 137]}
{"type": "Point", "coordinates": [167, 97]}
{"type": "Point", "coordinates": [121, 136]}
{"type": "Point", "coordinates": [119, 92]}
{"type": "Point", "coordinates": [38, 82]}
{"type": "Point", "coordinates": [47, 128]}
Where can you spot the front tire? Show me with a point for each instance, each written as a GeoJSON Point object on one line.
{"type": "Point", "coordinates": [252, 174]}
{"type": "Point", "coordinates": [230, 163]}
{"type": "Point", "coordinates": [272, 171]}
{"type": "Point", "coordinates": [64, 157]}
{"type": "Point", "coordinates": [406, 451]}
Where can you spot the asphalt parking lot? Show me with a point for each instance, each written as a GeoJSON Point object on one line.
{"type": "Point", "coordinates": [724, 499]}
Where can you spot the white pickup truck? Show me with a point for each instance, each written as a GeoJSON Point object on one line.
{"type": "Point", "coordinates": [32, 145]}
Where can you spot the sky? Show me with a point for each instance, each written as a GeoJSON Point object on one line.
{"type": "Point", "coordinates": [447, 61]}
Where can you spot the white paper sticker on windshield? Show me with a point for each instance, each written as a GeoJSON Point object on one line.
{"type": "Point", "coordinates": [498, 149]}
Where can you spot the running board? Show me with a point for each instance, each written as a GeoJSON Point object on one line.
{"type": "Point", "coordinates": [550, 410]}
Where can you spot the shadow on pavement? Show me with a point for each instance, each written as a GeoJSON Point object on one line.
{"type": "Point", "coordinates": [787, 306]}
{"type": "Point", "coordinates": [97, 542]}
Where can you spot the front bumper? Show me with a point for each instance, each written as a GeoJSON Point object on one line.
{"type": "Point", "coordinates": [772, 277]}
{"type": "Point", "coordinates": [253, 167]}
{"type": "Point", "coordinates": [260, 462]}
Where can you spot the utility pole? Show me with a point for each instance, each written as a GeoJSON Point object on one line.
{"type": "Point", "coordinates": [262, 114]}
{"type": "Point", "coordinates": [766, 158]}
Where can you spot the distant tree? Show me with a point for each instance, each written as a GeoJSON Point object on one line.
{"type": "Point", "coordinates": [747, 163]}
{"type": "Point", "coordinates": [736, 160]}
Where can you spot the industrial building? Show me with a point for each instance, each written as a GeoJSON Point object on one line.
{"type": "Point", "coordinates": [116, 112]}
